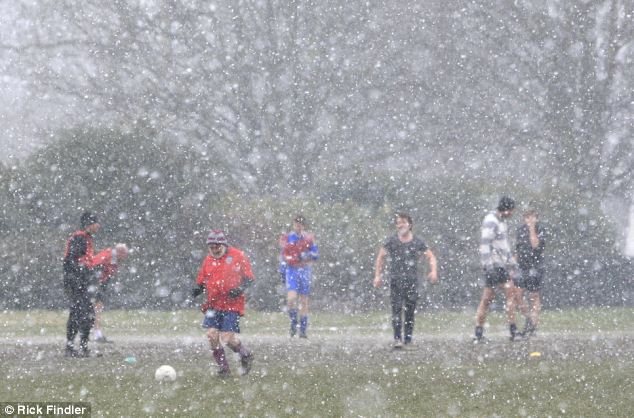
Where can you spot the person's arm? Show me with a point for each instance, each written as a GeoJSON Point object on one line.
{"type": "Point", "coordinates": [433, 267]}
{"type": "Point", "coordinates": [378, 267]}
{"type": "Point", "coordinates": [200, 282]}
{"type": "Point", "coordinates": [245, 283]}
{"type": "Point", "coordinates": [518, 245]}
{"type": "Point", "coordinates": [88, 259]}
{"type": "Point", "coordinates": [246, 278]}
{"type": "Point", "coordinates": [283, 240]}
{"type": "Point", "coordinates": [487, 234]}
{"type": "Point", "coordinates": [104, 257]}
{"type": "Point", "coordinates": [541, 235]}
{"type": "Point", "coordinates": [313, 251]}
{"type": "Point", "coordinates": [532, 235]}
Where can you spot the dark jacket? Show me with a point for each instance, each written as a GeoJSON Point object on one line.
{"type": "Point", "coordinates": [78, 261]}
{"type": "Point", "coordinates": [527, 256]}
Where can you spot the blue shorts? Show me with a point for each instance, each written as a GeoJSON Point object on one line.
{"type": "Point", "coordinates": [224, 321]}
{"type": "Point", "coordinates": [298, 279]}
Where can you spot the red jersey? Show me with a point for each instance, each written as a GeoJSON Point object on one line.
{"type": "Point", "coordinates": [293, 246]}
{"type": "Point", "coordinates": [108, 268]}
{"type": "Point", "coordinates": [86, 255]}
{"type": "Point", "coordinates": [220, 275]}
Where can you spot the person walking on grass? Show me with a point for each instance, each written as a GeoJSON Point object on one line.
{"type": "Point", "coordinates": [109, 260]}
{"type": "Point", "coordinates": [78, 266]}
{"type": "Point", "coordinates": [498, 265]}
{"type": "Point", "coordinates": [225, 274]}
{"type": "Point", "coordinates": [404, 250]}
{"type": "Point", "coordinates": [299, 251]}
{"type": "Point", "coordinates": [529, 254]}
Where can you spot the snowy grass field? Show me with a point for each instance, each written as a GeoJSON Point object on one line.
{"type": "Point", "coordinates": [345, 369]}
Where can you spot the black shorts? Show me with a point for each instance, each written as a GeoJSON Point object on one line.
{"type": "Point", "coordinates": [532, 279]}
{"type": "Point", "coordinates": [405, 290]}
{"type": "Point", "coordinates": [101, 295]}
{"type": "Point", "coordinates": [495, 277]}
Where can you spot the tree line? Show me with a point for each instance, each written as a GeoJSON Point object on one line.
{"type": "Point", "coordinates": [539, 89]}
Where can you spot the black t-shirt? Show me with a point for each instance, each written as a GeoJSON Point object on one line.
{"type": "Point", "coordinates": [404, 257]}
{"type": "Point", "coordinates": [527, 256]}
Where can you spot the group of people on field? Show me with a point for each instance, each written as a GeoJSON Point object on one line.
{"type": "Point", "coordinates": [225, 275]}
{"type": "Point", "coordinates": [514, 272]}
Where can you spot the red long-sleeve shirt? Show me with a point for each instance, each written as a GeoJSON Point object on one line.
{"type": "Point", "coordinates": [104, 259]}
{"type": "Point", "coordinates": [220, 275]}
{"type": "Point", "coordinates": [79, 251]}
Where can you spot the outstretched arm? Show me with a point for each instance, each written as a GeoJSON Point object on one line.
{"type": "Point", "coordinates": [246, 279]}
{"type": "Point", "coordinates": [313, 252]}
{"type": "Point", "coordinates": [433, 267]}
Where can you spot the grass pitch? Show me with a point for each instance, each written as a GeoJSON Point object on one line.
{"type": "Point", "coordinates": [345, 369]}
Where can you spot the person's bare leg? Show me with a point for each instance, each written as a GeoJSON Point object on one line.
{"type": "Point", "coordinates": [536, 307]}
{"type": "Point", "coordinates": [481, 314]}
{"type": "Point", "coordinates": [487, 297]}
{"type": "Point", "coordinates": [510, 293]}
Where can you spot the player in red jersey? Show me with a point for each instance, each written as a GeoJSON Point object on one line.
{"type": "Point", "coordinates": [299, 251]}
{"type": "Point", "coordinates": [109, 260]}
{"type": "Point", "coordinates": [225, 274]}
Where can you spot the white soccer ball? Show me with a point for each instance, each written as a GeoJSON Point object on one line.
{"type": "Point", "coordinates": [165, 373]}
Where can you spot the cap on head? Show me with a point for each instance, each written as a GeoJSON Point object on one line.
{"type": "Point", "coordinates": [216, 236]}
{"type": "Point", "coordinates": [505, 204]}
{"type": "Point", "coordinates": [87, 219]}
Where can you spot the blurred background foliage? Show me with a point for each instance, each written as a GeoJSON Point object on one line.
{"type": "Point", "coordinates": [162, 199]}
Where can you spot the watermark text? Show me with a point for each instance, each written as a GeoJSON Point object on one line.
{"type": "Point", "coordinates": [44, 409]}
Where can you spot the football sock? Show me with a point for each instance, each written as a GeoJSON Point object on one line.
{"type": "Point", "coordinates": [221, 359]}
{"type": "Point", "coordinates": [98, 334]}
{"type": "Point", "coordinates": [513, 329]}
{"type": "Point", "coordinates": [303, 324]}
{"type": "Point", "coordinates": [292, 313]}
{"type": "Point", "coordinates": [478, 332]}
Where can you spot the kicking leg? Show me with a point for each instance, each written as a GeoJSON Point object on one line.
{"type": "Point", "coordinates": [246, 356]}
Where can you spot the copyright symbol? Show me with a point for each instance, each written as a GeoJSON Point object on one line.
{"type": "Point", "coordinates": [9, 409]}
